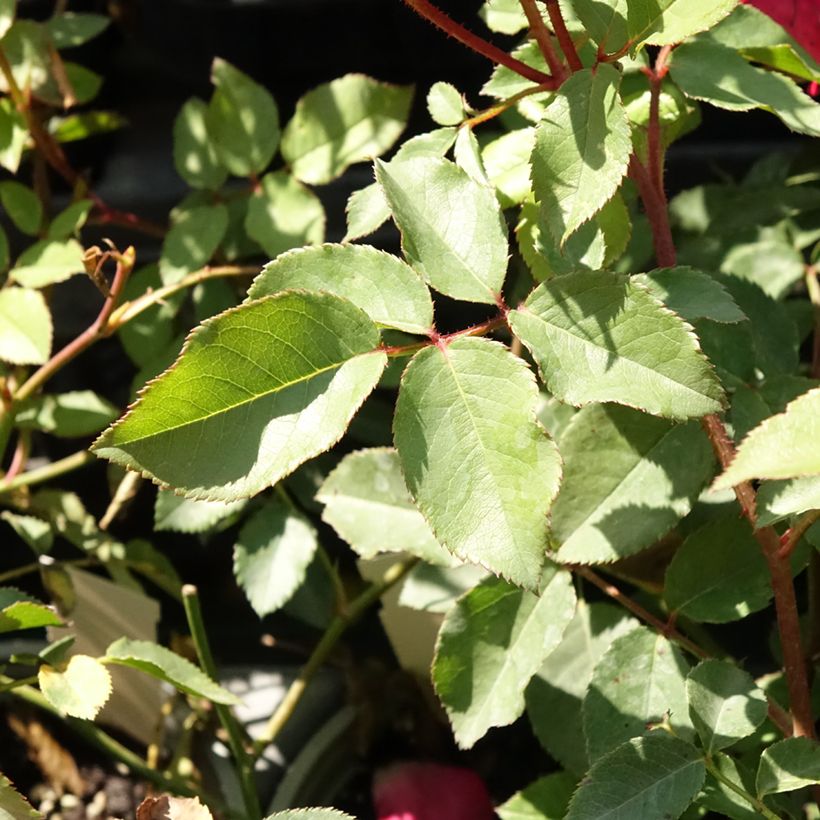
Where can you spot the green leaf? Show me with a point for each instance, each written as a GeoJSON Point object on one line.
{"type": "Point", "coordinates": [599, 336]}
{"type": "Point", "coordinates": [605, 22]}
{"type": "Point", "coordinates": [761, 40]}
{"type": "Point", "coordinates": [691, 294]}
{"type": "Point", "coordinates": [490, 645]}
{"type": "Point", "coordinates": [283, 214]}
{"type": "Point", "coordinates": [719, 573]}
{"type": "Point", "coordinates": [664, 22]}
{"type": "Point", "coordinates": [68, 415]}
{"type": "Point", "coordinates": [195, 155]}
{"type": "Point", "coordinates": [545, 799]}
{"type": "Point", "coordinates": [81, 126]}
{"type": "Point", "coordinates": [788, 765]}
{"type": "Point", "coordinates": [594, 245]}
{"type": "Point", "coordinates": [451, 226]}
{"type": "Point", "coordinates": [69, 29]}
{"type": "Point", "coordinates": [266, 385]}
{"type": "Point", "coordinates": [773, 331]}
{"type": "Point", "coordinates": [13, 806]}
{"type": "Point", "coordinates": [432, 588]}
{"type": "Point", "coordinates": [34, 531]}
{"type": "Point", "coordinates": [771, 261]}
{"type": "Point", "coordinates": [28, 49]}
{"type": "Point", "coordinates": [173, 513]}
{"type": "Point", "coordinates": [70, 220]}
{"type": "Point", "coordinates": [720, 798]}
{"type": "Point", "coordinates": [783, 446]}
{"type": "Point", "coordinates": [19, 611]}
{"type": "Point", "coordinates": [25, 326]}
{"type": "Point", "coordinates": [272, 554]}
{"type": "Point", "coordinates": [777, 500]}
{"type": "Point", "coordinates": [480, 419]}
{"type": "Point", "coordinates": [554, 696]}
{"type": "Point", "coordinates": [467, 156]}
{"type": "Point", "coordinates": [4, 251]}
{"type": "Point", "coordinates": [142, 557]}
{"type": "Point", "coordinates": [653, 777]}
{"type": "Point", "coordinates": [639, 681]}
{"type": "Point", "coordinates": [162, 663]}
{"type": "Point", "coordinates": [503, 16]}
{"type": "Point", "coordinates": [445, 104]}
{"type": "Point", "coordinates": [243, 121]}
{"type": "Point", "coordinates": [7, 9]}
{"type": "Point", "coordinates": [582, 148]}
{"type": "Point", "coordinates": [13, 133]}
{"type": "Point", "coordinates": [85, 84]}
{"type": "Point", "coordinates": [384, 287]}
{"type": "Point", "coordinates": [22, 206]}
{"type": "Point", "coordinates": [505, 83]}
{"type": "Point", "coordinates": [367, 503]}
{"type": "Point", "coordinates": [708, 71]}
{"type": "Point", "coordinates": [724, 704]}
{"type": "Point", "coordinates": [507, 161]}
{"type": "Point", "coordinates": [367, 210]}
{"type": "Point", "coordinates": [80, 690]}
{"type": "Point", "coordinates": [350, 119]}
{"type": "Point", "coordinates": [646, 474]}
{"type": "Point", "coordinates": [47, 262]}
{"type": "Point", "coordinates": [192, 241]}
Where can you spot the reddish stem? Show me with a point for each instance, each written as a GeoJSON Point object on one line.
{"type": "Point", "coordinates": [478, 44]}
{"type": "Point", "coordinates": [777, 714]}
{"type": "Point", "coordinates": [561, 32]}
{"type": "Point", "coordinates": [656, 212]}
{"type": "Point", "coordinates": [97, 330]}
{"type": "Point", "coordinates": [654, 199]}
{"type": "Point", "coordinates": [668, 629]}
{"type": "Point", "coordinates": [542, 36]}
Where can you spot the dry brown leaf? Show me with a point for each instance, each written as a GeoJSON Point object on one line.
{"type": "Point", "coordinates": [172, 808]}
{"type": "Point", "coordinates": [57, 765]}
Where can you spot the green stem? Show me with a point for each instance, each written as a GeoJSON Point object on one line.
{"type": "Point", "coordinates": [8, 684]}
{"type": "Point", "coordinates": [125, 264]}
{"type": "Point", "coordinates": [130, 310]}
{"type": "Point", "coordinates": [34, 566]}
{"type": "Point", "coordinates": [53, 470]}
{"type": "Point", "coordinates": [92, 734]}
{"type": "Point", "coordinates": [756, 804]}
{"type": "Point", "coordinates": [337, 627]}
{"type": "Point", "coordinates": [236, 739]}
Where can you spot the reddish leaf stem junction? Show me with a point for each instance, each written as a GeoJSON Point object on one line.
{"type": "Point", "coordinates": [650, 187]}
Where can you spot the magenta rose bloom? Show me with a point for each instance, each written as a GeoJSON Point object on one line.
{"type": "Point", "coordinates": [801, 18]}
{"type": "Point", "coordinates": [428, 791]}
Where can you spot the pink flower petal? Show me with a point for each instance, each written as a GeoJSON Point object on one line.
{"type": "Point", "coordinates": [801, 18]}
{"type": "Point", "coordinates": [428, 791]}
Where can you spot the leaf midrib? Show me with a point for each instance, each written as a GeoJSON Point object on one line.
{"type": "Point", "coordinates": [617, 809]}
{"type": "Point", "coordinates": [231, 408]}
{"type": "Point", "coordinates": [463, 395]}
